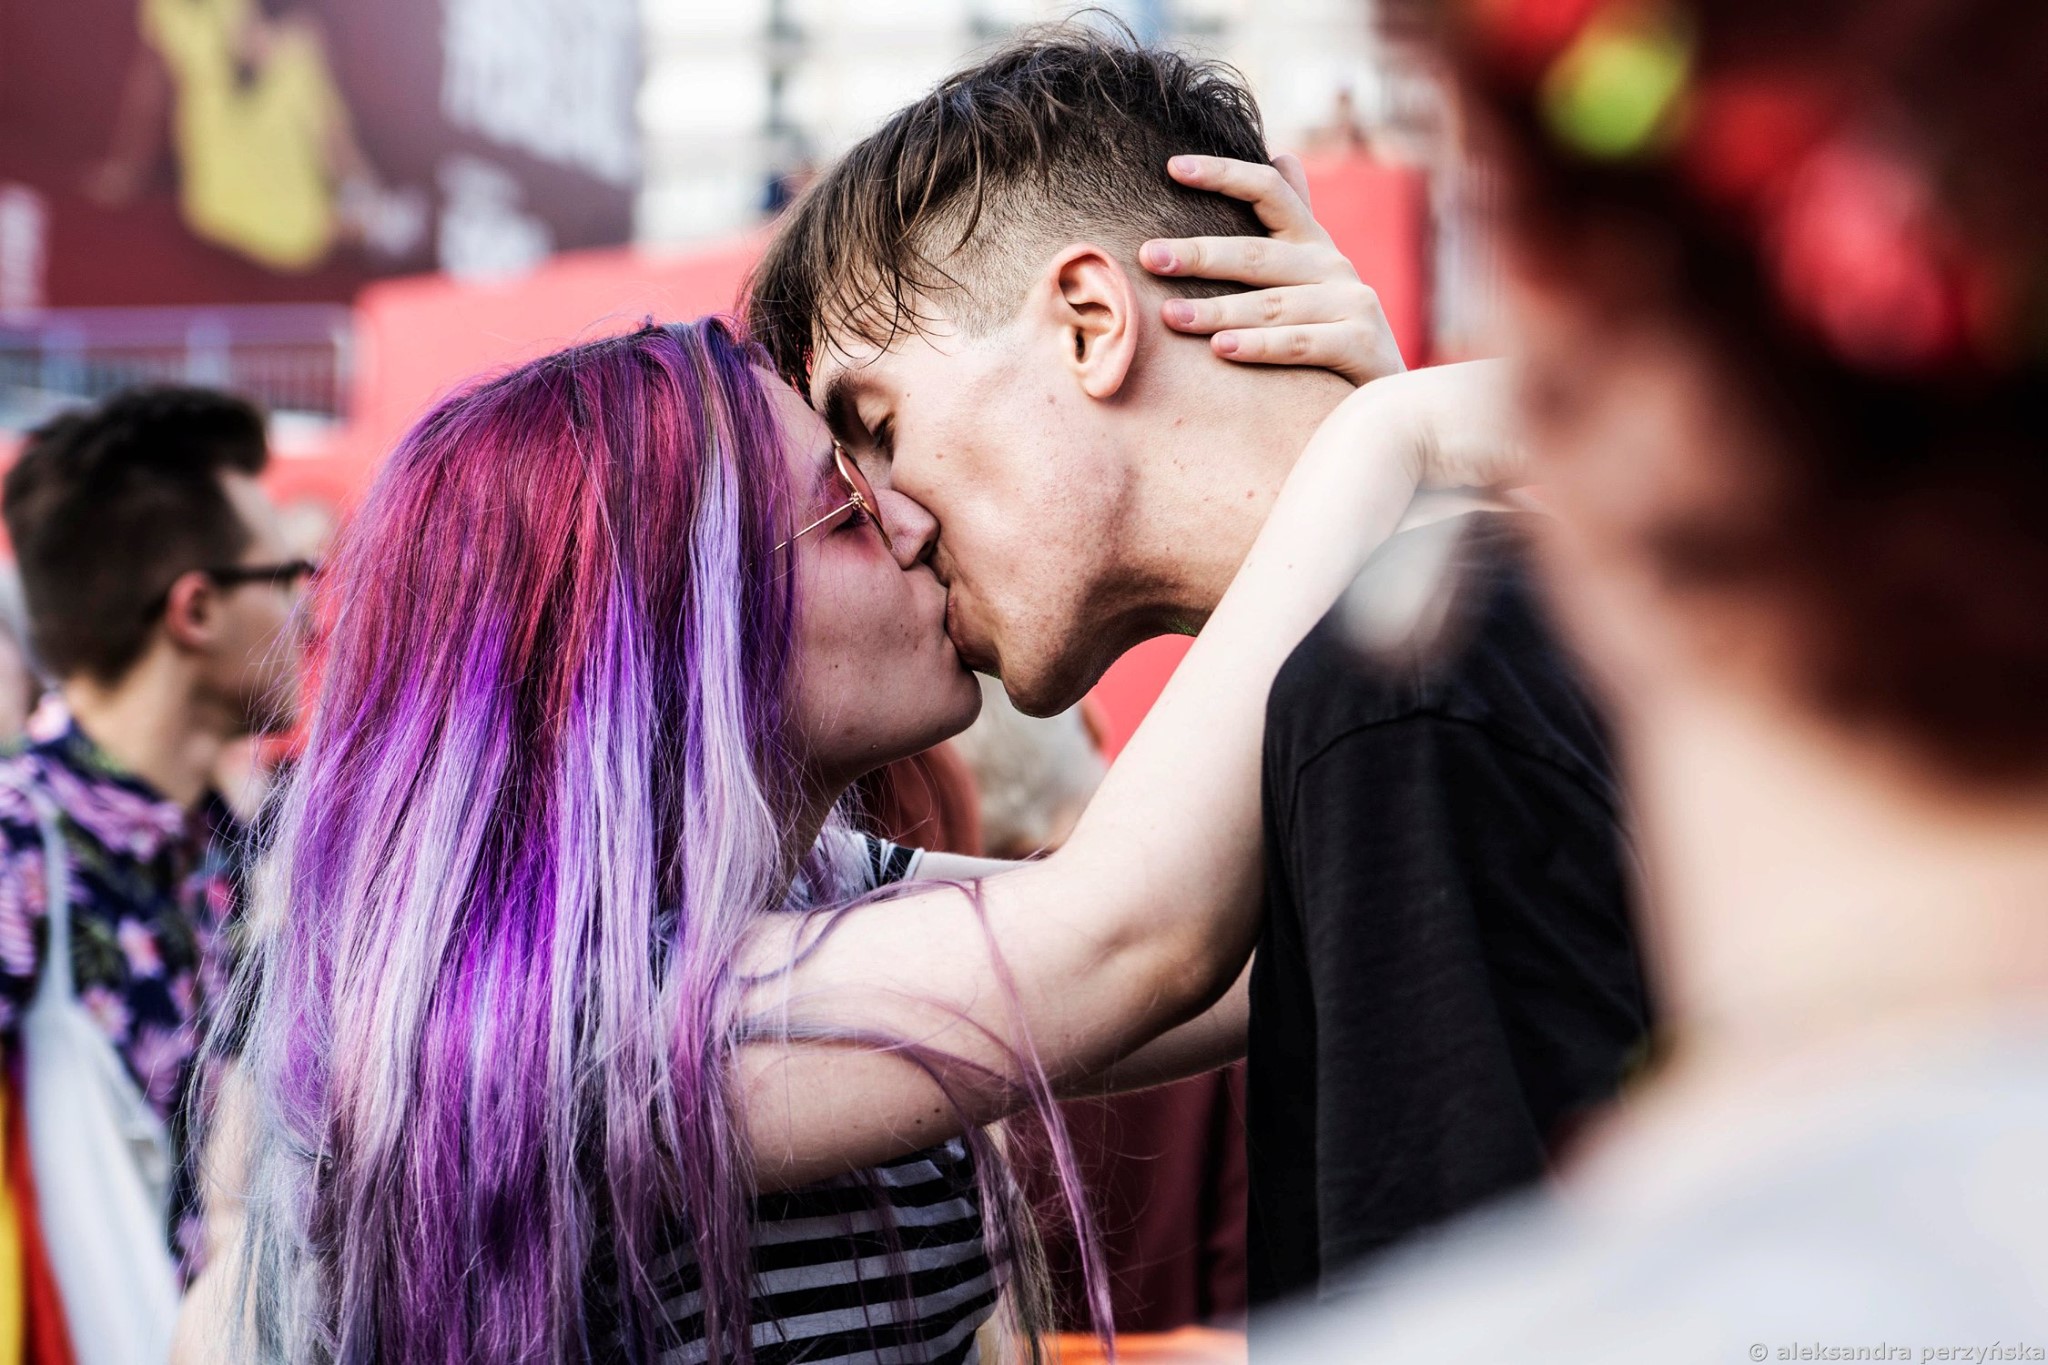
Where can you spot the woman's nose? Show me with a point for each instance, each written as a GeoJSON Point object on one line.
{"type": "Point", "coordinates": [910, 529]}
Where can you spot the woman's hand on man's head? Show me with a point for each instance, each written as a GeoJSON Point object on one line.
{"type": "Point", "coordinates": [1309, 307]}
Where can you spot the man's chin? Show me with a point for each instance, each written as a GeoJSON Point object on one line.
{"type": "Point", "coordinates": [1048, 694]}
{"type": "Point", "coordinates": [1060, 680]}
{"type": "Point", "coordinates": [1039, 683]}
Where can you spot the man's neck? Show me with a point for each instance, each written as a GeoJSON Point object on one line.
{"type": "Point", "coordinates": [1212, 475]}
{"type": "Point", "coordinates": [154, 725]}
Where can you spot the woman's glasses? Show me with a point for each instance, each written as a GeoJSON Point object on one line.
{"type": "Point", "coordinates": [859, 493]}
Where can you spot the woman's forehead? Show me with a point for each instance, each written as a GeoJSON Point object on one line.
{"type": "Point", "coordinates": [803, 433]}
{"type": "Point", "coordinates": [805, 441]}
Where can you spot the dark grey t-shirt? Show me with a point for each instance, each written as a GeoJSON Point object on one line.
{"type": "Point", "coordinates": [1448, 974]}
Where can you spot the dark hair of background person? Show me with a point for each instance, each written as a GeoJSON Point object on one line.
{"type": "Point", "coordinates": [1060, 136]}
{"type": "Point", "coordinates": [1896, 529]}
{"type": "Point", "coordinates": [107, 507]}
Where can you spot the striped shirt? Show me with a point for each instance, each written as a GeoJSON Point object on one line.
{"type": "Point", "coordinates": [885, 1266]}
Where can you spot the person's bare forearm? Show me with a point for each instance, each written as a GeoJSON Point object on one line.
{"type": "Point", "coordinates": [140, 133]}
{"type": "Point", "coordinates": [1212, 1039]}
{"type": "Point", "coordinates": [962, 867]}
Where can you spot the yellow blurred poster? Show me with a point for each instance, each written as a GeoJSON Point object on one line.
{"type": "Point", "coordinates": [215, 151]}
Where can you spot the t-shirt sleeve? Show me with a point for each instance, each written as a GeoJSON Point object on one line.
{"type": "Point", "coordinates": [1471, 982]}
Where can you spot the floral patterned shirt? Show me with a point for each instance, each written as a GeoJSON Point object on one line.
{"type": "Point", "coordinates": [152, 888]}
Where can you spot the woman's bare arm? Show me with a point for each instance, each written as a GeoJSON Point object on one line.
{"type": "Point", "coordinates": [1148, 913]}
{"type": "Point", "coordinates": [1214, 1038]}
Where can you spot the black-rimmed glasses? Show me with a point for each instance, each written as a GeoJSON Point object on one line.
{"type": "Point", "coordinates": [287, 574]}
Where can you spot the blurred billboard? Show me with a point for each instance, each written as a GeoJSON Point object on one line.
{"type": "Point", "coordinates": [202, 152]}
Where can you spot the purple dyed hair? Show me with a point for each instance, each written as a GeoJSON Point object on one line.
{"type": "Point", "coordinates": [545, 794]}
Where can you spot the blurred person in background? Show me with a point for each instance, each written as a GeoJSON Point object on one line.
{"type": "Point", "coordinates": [1778, 284]}
{"type": "Point", "coordinates": [1034, 774]}
{"type": "Point", "coordinates": [161, 599]}
{"type": "Point", "coordinates": [268, 163]}
{"type": "Point", "coordinates": [250, 769]}
{"type": "Point", "coordinates": [1163, 1167]}
{"type": "Point", "coordinates": [925, 801]}
{"type": "Point", "coordinates": [1031, 350]}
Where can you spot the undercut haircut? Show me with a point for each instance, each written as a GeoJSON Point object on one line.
{"type": "Point", "coordinates": [959, 200]}
{"type": "Point", "coordinates": [107, 507]}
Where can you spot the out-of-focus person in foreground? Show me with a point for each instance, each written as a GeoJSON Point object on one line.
{"type": "Point", "coordinates": [161, 598]}
{"type": "Point", "coordinates": [1779, 288]}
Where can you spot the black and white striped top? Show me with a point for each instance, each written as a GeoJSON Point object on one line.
{"type": "Point", "coordinates": [886, 1266]}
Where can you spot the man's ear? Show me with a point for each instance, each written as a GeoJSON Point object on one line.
{"type": "Point", "coordinates": [191, 611]}
{"type": "Point", "coordinates": [1092, 304]}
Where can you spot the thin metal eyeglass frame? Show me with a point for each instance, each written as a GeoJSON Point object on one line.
{"type": "Point", "coordinates": [862, 495]}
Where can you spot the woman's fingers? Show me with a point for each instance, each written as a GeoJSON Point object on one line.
{"type": "Point", "coordinates": [1296, 175]}
{"type": "Point", "coordinates": [1359, 352]}
{"type": "Point", "coordinates": [1247, 260]}
{"type": "Point", "coordinates": [1306, 306]}
{"type": "Point", "coordinates": [1279, 204]}
{"type": "Point", "coordinates": [1331, 302]}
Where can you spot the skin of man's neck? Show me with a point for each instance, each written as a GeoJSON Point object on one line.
{"type": "Point", "coordinates": [1220, 442]}
{"type": "Point", "coordinates": [156, 724]}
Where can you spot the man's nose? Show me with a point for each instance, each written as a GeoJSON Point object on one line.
{"type": "Point", "coordinates": [911, 530]}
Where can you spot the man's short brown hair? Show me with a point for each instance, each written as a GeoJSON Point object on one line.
{"type": "Point", "coordinates": [107, 507]}
{"type": "Point", "coordinates": [1060, 136]}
